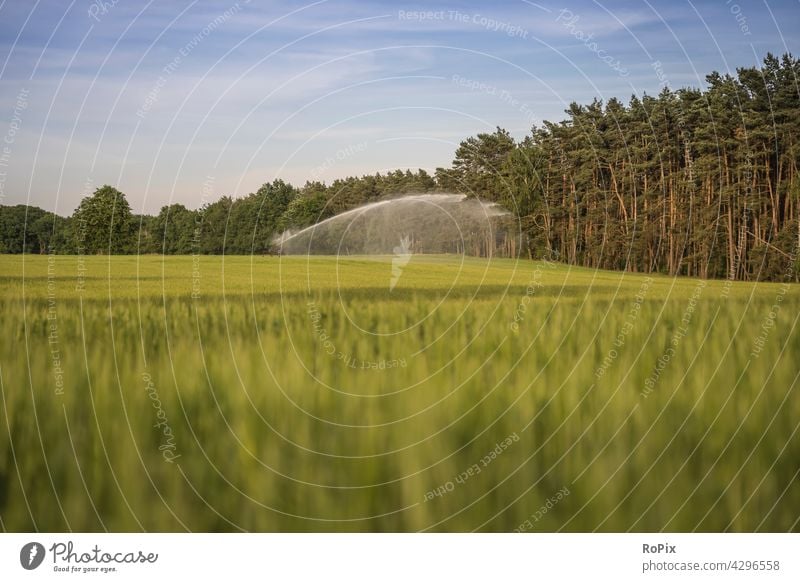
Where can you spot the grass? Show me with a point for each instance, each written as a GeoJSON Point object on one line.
{"type": "Point", "coordinates": [295, 394]}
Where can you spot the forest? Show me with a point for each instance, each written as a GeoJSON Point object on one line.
{"type": "Point", "coordinates": [698, 182]}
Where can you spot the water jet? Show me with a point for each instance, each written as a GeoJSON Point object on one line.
{"type": "Point", "coordinates": [427, 223]}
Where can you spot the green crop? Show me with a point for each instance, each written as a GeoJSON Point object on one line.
{"type": "Point", "coordinates": [306, 394]}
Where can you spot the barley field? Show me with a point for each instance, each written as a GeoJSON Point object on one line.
{"type": "Point", "coordinates": [352, 394]}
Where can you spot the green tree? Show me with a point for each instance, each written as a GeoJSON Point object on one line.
{"type": "Point", "coordinates": [31, 230]}
{"type": "Point", "coordinates": [310, 207]}
{"type": "Point", "coordinates": [171, 231]}
{"type": "Point", "coordinates": [102, 223]}
{"type": "Point", "coordinates": [478, 163]}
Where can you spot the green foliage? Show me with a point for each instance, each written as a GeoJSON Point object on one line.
{"type": "Point", "coordinates": [478, 163]}
{"type": "Point", "coordinates": [32, 230]}
{"type": "Point", "coordinates": [171, 230]}
{"type": "Point", "coordinates": [310, 207]}
{"type": "Point", "coordinates": [102, 223]}
{"type": "Point", "coordinates": [689, 182]}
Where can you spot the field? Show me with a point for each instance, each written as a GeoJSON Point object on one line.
{"type": "Point", "coordinates": [307, 394]}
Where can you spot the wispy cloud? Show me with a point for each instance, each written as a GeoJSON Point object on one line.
{"type": "Point", "coordinates": [270, 90]}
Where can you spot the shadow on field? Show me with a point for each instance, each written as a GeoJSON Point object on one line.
{"type": "Point", "coordinates": [85, 277]}
{"type": "Point", "coordinates": [368, 294]}
{"type": "Point", "coordinates": [456, 293]}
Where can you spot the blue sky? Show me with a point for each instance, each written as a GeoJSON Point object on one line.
{"type": "Point", "coordinates": [186, 101]}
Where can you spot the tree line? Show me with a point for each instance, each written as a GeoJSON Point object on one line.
{"type": "Point", "coordinates": [699, 182]}
{"type": "Point", "coordinates": [104, 223]}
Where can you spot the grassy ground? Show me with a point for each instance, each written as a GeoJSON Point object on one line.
{"type": "Point", "coordinates": [294, 394]}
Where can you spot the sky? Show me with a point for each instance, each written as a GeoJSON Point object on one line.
{"type": "Point", "coordinates": [187, 100]}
